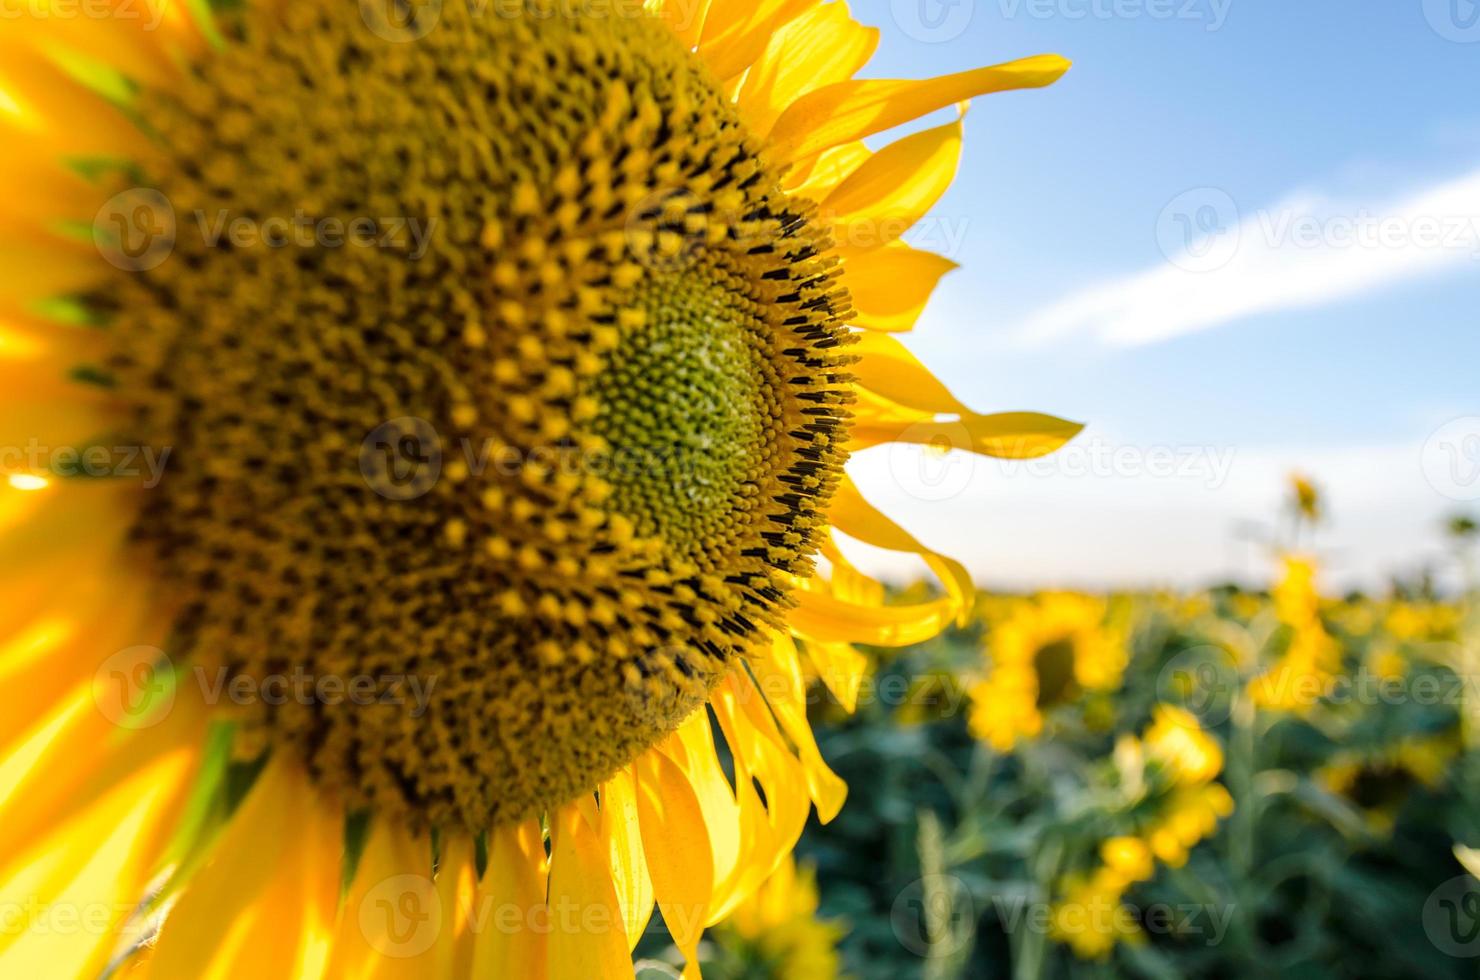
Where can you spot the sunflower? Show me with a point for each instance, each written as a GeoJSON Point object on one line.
{"type": "Point", "coordinates": [1312, 657]}
{"type": "Point", "coordinates": [1045, 653]}
{"type": "Point", "coordinates": [1172, 770]}
{"type": "Point", "coordinates": [776, 934]}
{"type": "Point", "coordinates": [1172, 803]}
{"type": "Point", "coordinates": [494, 366]}
{"type": "Point", "coordinates": [1379, 781]}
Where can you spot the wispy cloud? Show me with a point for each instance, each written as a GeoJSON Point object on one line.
{"type": "Point", "coordinates": [1225, 263]}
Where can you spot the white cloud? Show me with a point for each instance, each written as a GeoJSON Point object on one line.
{"type": "Point", "coordinates": [1224, 263]}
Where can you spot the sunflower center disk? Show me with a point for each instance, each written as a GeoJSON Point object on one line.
{"type": "Point", "coordinates": [691, 399]}
{"type": "Point", "coordinates": [532, 455]}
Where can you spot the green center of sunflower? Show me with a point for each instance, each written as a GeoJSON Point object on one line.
{"type": "Point", "coordinates": [521, 466]}
{"type": "Point", "coordinates": [690, 397]}
{"type": "Point", "coordinates": [1054, 665]}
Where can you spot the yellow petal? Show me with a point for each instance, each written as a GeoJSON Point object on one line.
{"type": "Point", "coordinates": [622, 831]}
{"type": "Point", "coordinates": [823, 617]}
{"type": "Point", "coordinates": [692, 748]}
{"type": "Point", "coordinates": [851, 110]}
{"type": "Point", "coordinates": [845, 581]}
{"type": "Point", "coordinates": [823, 46]}
{"type": "Point", "coordinates": [264, 904]}
{"type": "Point", "coordinates": [587, 938]}
{"type": "Point", "coordinates": [890, 286]}
{"type": "Point", "coordinates": [1005, 435]}
{"type": "Point", "coordinates": [31, 271]}
{"type": "Point", "coordinates": [856, 517]}
{"type": "Point", "coordinates": [816, 180]}
{"type": "Point", "coordinates": [78, 755]}
{"type": "Point", "coordinates": [457, 889]}
{"type": "Point", "coordinates": [887, 368]}
{"type": "Point", "coordinates": [760, 752]}
{"type": "Point", "coordinates": [393, 916]}
{"type": "Point", "coordinates": [57, 116]}
{"type": "Point", "coordinates": [736, 32]}
{"type": "Point", "coordinates": [841, 668]}
{"type": "Point", "coordinates": [893, 190]}
{"type": "Point", "coordinates": [76, 888]}
{"type": "Point", "coordinates": [779, 674]}
{"type": "Point", "coordinates": [685, 17]}
{"type": "Point", "coordinates": [116, 33]}
{"type": "Point", "coordinates": [678, 850]}
{"type": "Point", "coordinates": [510, 920]}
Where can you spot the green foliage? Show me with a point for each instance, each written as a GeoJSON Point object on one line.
{"type": "Point", "coordinates": [950, 857]}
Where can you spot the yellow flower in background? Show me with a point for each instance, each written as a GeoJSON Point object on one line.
{"type": "Point", "coordinates": [1187, 817]}
{"type": "Point", "coordinates": [1415, 622]}
{"type": "Point", "coordinates": [1090, 916]}
{"type": "Point", "coordinates": [1168, 773]}
{"type": "Point", "coordinates": [1305, 498]}
{"type": "Point", "coordinates": [1380, 781]}
{"type": "Point", "coordinates": [1129, 858]}
{"type": "Point", "coordinates": [541, 454]}
{"type": "Point", "coordinates": [1176, 741]}
{"type": "Point", "coordinates": [1047, 652]}
{"type": "Point", "coordinates": [1301, 675]}
{"type": "Point", "coordinates": [779, 928]}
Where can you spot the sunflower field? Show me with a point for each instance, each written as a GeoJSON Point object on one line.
{"type": "Point", "coordinates": [432, 449]}
{"type": "Point", "coordinates": [1148, 785]}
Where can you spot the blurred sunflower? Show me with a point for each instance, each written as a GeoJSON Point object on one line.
{"type": "Point", "coordinates": [1171, 771]}
{"type": "Point", "coordinates": [1047, 652]}
{"type": "Point", "coordinates": [1312, 657]}
{"type": "Point", "coordinates": [1171, 802]}
{"type": "Point", "coordinates": [1091, 917]}
{"type": "Point", "coordinates": [623, 256]}
{"type": "Point", "coordinates": [776, 935]}
{"type": "Point", "coordinates": [1305, 498]}
{"type": "Point", "coordinates": [1379, 781]}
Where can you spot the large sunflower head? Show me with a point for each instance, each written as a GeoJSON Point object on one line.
{"type": "Point", "coordinates": [621, 344]}
{"type": "Point", "coordinates": [434, 406]}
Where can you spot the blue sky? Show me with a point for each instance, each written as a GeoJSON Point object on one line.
{"type": "Point", "coordinates": [1265, 120]}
